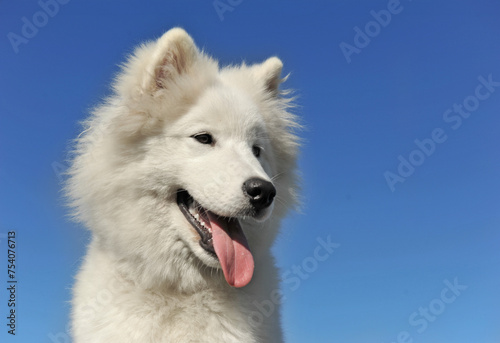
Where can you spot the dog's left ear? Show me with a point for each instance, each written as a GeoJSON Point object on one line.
{"type": "Point", "coordinates": [269, 72]}
{"type": "Point", "coordinates": [173, 56]}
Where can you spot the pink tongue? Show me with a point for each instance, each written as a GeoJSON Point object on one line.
{"type": "Point", "coordinates": [232, 249]}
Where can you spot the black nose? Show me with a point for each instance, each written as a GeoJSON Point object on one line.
{"type": "Point", "coordinates": [260, 192]}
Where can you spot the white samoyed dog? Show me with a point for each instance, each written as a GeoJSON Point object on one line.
{"type": "Point", "coordinates": [183, 175]}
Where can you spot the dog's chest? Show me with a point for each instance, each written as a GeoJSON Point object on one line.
{"type": "Point", "coordinates": [200, 317]}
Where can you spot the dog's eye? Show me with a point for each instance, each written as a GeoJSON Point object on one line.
{"type": "Point", "coordinates": [204, 138]}
{"type": "Point", "coordinates": [256, 150]}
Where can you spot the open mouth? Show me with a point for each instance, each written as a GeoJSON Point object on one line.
{"type": "Point", "coordinates": [222, 237]}
{"type": "Point", "coordinates": [197, 216]}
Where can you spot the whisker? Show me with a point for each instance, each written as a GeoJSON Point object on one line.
{"type": "Point", "coordinates": [276, 176]}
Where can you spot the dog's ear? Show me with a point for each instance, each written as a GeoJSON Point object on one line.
{"type": "Point", "coordinates": [269, 72]}
{"type": "Point", "coordinates": [153, 69]}
{"type": "Point", "coordinates": [174, 54]}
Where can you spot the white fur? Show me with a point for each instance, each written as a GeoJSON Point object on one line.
{"type": "Point", "coordinates": [145, 277]}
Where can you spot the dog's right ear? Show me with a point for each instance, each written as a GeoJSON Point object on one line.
{"type": "Point", "coordinates": [153, 69]}
{"type": "Point", "coordinates": [174, 54]}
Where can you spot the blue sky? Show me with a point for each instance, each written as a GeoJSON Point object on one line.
{"type": "Point", "coordinates": [417, 256]}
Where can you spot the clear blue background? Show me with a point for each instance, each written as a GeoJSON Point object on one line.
{"type": "Point", "coordinates": [396, 247]}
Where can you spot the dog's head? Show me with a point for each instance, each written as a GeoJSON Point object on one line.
{"type": "Point", "coordinates": [187, 163]}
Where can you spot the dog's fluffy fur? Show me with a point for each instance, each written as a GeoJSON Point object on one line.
{"type": "Point", "coordinates": [146, 278]}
